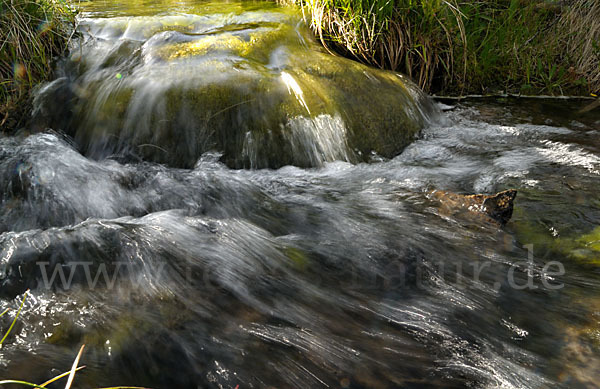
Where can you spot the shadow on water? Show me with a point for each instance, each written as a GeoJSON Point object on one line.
{"type": "Point", "coordinates": [331, 273]}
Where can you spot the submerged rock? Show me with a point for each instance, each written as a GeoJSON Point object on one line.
{"type": "Point", "coordinates": [595, 104]}
{"type": "Point", "coordinates": [252, 85]}
{"type": "Point", "coordinates": [497, 208]}
{"type": "Point", "coordinates": [586, 248]}
{"type": "Point", "coordinates": [582, 249]}
{"type": "Point", "coordinates": [578, 361]}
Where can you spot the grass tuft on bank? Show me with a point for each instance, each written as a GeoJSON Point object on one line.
{"type": "Point", "coordinates": [32, 33]}
{"type": "Point", "coordinates": [457, 47]}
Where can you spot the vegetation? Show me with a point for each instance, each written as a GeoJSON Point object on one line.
{"type": "Point", "coordinates": [458, 47]}
{"type": "Point", "coordinates": [32, 33]}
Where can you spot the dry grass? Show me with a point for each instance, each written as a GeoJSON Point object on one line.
{"type": "Point", "coordinates": [423, 42]}
{"type": "Point", "coordinates": [455, 47]}
{"type": "Point", "coordinates": [32, 33]}
{"type": "Point", "coordinates": [580, 27]}
{"type": "Point", "coordinates": [419, 38]}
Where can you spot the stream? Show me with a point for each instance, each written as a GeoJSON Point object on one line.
{"type": "Point", "coordinates": [207, 198]}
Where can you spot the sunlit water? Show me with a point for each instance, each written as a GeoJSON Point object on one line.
{"type": "Point", "coordinates": [345, 274]}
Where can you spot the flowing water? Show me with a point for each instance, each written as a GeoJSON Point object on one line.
{"type": "Point", "coordinates": [221, 203]}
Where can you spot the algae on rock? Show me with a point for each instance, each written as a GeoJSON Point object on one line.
{"type": "Point", "coordinates": [251, 85]}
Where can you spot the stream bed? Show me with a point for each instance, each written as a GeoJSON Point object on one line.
{"type": "Point", "coordinates": [207, 198]}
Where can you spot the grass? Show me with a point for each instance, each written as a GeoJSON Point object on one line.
{"type": "Point", "coordinates": [32, 34]}
{"type": "Point", "coordinates": [14, 320]}
{"type": "Point", "coordinates": [457, 47]}
{"type": "Point", "coordinates": [581, 24]}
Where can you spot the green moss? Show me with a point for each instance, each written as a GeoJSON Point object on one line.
{"type": "Point", "coordinates": [120, 332]}
{"type": "Point", "coordinates": [583, 249]}
{"type": "Point", "coordinates": [253, 86]}
{"type": "Point", "coordinates": [256, 46]}
{"type": "Point", "coordinates": [386, 121]}
{"type": "Point", "coordinates": [591, 240]}
{"type": "Point", "coordinates": [298, 258]}
{"type": "Point", "coordinates": [65, 334]}
{"type": "Point", "coordinates": [587, 248]}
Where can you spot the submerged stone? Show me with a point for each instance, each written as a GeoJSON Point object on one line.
{"type": "Point", "coordinates": [578, 360]}
{"type": "Point", "coordinates": [252, 85]}
{"type": "Point", "coordinates": [583, 249]}
{"type": "Point", "coordinates": [497, 208]}
{"type": "Point", "coordinates": [586, 248]}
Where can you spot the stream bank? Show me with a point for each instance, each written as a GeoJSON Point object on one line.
{"type": "Point", "coordinates": [457, 48]}
{"type": "Point", "coordinates": [33, 34]}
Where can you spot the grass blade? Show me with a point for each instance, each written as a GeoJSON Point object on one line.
{"type": "Point", "coordinates": [74, 368]}
{"type": "Point", "coordinates": [15, 319]}
{"type": "Point", "coordinates": [58, 377]}
{"type": "Point", "coordinates": [8, 382]}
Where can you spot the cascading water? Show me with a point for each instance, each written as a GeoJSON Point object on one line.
{"type": "Point", "coordinates": [137, 233]}
{"type": "Point", "coordinates": [252, 84]}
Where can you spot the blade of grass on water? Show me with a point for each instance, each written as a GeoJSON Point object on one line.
{"type": "Point", "coordinates": [58, 377]}
{"type": "Point", "coordinates": [74, 368]}
{"type": "Point", "coordinates": [15, 319]}
{"type": "Point", "coordinates": [16, 382]}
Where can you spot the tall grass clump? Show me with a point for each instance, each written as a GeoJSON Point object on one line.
{"type": "Point", "coordinates": [415, 37]}
{"type": "Point", "coordinates": [32, 33]}
{"type": "Point", "coordinates": [455, 47]}
{"type": "Point", "coordinates": [580, 27]}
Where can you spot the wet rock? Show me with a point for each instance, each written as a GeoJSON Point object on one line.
{"type": "Point", "coordinates": [578, 360]}
{"type": "Point", "coordinates": [254, 86]}
{"type": "Point", "coordinates": [497, 208]}
{"type": "Point", "coordinates": [581, 356]}
{"type": "Point", "coordinates": [586, 248]}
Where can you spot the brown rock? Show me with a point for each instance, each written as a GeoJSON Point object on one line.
{"type": "Point", "coordinates": [496, 208]}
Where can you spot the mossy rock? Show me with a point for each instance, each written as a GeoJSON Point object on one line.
{"type": "Point", "coordinates": [586, 248]}
{"type": "Point", "coordinates": [582, 249]}
{"type": "Point", "coordinates": [253, 86]}
{"type": "Point", "coordinates": [578, 360]}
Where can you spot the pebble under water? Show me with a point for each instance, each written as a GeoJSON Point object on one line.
{"type": "Point", "coordinates": [344, 274]}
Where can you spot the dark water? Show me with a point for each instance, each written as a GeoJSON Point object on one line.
{"type": "Point", "coordinates": [344, 274]}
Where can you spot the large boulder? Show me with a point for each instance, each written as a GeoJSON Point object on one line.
{"type": "Point", "coordinates": [252, 85]}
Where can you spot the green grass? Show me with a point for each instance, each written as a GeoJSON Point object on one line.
{"type": "Point", "coordinates": [32, 34]}
{"type": "Point", "coordinates": [458, 47]}
{"type": "Point", "coordinates": [12, 324]}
